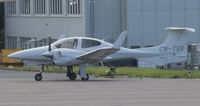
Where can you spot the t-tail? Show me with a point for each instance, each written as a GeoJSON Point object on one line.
{"type": "Point", "coordinates": [174, 49]}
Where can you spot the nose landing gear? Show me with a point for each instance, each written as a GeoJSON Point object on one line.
{"type": "Point", "coordinates": [38, 77]}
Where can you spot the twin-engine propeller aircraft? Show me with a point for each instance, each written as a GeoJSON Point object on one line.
{"type": "Point", "coordinates": [83, 50]}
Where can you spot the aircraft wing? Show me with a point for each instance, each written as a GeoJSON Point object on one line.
{"type": "Point", "coordinates": [97, 55]}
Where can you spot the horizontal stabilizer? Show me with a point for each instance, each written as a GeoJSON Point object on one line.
{"type": "Point", "coordinates": [180, 29]}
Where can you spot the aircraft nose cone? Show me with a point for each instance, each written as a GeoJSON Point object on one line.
{"type": "Point", "coordinates": [14, 55]}
{"type": "Point", "coordinates": [9, 56]}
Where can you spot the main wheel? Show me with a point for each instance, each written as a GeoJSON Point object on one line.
{"type": "Point", "coordinates": [72, 76]}
{"type": "Point", "coordinates": [38, 77]}
{"type": "Point", "coordinates": [85, 79]}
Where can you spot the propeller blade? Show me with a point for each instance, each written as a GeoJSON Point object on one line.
{"type": "Point", "coordinates": [50, 41]}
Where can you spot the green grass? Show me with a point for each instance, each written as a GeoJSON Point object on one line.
{"type": "Point", "coordinates": [142, 73]}
{"type": "Point", "coordinates": [122, 71]}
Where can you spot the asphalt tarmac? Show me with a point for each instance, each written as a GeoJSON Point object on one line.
{"type": "Point", "coordinates": [20, 89]}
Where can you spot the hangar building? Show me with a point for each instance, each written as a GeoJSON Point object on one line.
{"type": "Point", "coordinates": [39, 19]}
{"type": "Point", "coordinates": [36, 20]}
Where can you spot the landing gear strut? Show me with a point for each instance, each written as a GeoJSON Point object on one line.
{"type": "Point", "coordinates": [83, 74]}
{"type": "Point", "coordinates": [38, 77]}
{"type": "Point", "coordinates": [85, 79]}
{"type": "Point", "coordinates": [70, 73]}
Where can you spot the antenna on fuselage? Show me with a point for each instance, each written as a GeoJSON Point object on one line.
{"type": "Point", "coordinates": [106, 37]}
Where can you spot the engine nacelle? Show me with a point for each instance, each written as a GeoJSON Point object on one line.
{"type": "Point", "coordinates": [62, 61]}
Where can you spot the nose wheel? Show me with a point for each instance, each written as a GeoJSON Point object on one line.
{"type": "Point", "coordinates": [38, 77]}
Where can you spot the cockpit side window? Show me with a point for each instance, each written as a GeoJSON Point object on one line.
{"type": "Point", "coordinates": [87, 43]}
{"type": "Point", "coordinates": [68, 43]}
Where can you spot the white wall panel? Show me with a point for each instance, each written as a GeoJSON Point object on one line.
{"type": "Point", "coordinates": [193, 20]}
{"type": "Point", "coordinates": [44, 27]}
{"type": "Point", "coordinates": [149, 30]}
{"type": "Point", "coordinates": [163, 21]}
{"type": "Point", "coordinates": [192, 4]}
{"type": "Point", "coordinates": [149, 4]}
{"type": "Point", "coordinates": [163, 4]}
{"type": "Point", "coordinates": [133, 5]}
{"type": "Point", "coordinates": [134, 26]}
{"type": "Point", "coordinates": [178, 4]}
{"type": "Point", "coordinates": [177, 18]}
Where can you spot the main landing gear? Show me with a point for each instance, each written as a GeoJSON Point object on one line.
{"type": "Point", "coordinates": [83, 74]}
{"type": "Point", "coordinates": [38, 77]}
{"type": "Point", "coordinates": [72, 75]}
{"type": "Point", "coordinates": [87, 78]}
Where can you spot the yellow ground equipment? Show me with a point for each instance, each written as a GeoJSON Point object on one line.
{"type": "Point", "coordinates": [8, 61]}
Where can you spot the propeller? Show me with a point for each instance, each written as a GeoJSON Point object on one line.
{"type": "Point", "coordinates": [52, 55]}
{"type": "Point", "coordinates": [49, 53]}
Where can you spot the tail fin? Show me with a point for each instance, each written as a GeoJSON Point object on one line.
{"type": "Point", "coordinates": [174, 49]}
{"type": "Point", "coordinates": [177, 40]}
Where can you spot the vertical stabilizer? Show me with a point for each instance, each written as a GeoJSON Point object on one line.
{"type": "Point", "coordinates": [174, 48]}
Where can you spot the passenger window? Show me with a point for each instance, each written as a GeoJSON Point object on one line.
{"type": "Point", "coordinates": [69, 43]}
{"type": "Point", "coordinates": [87, 43]}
